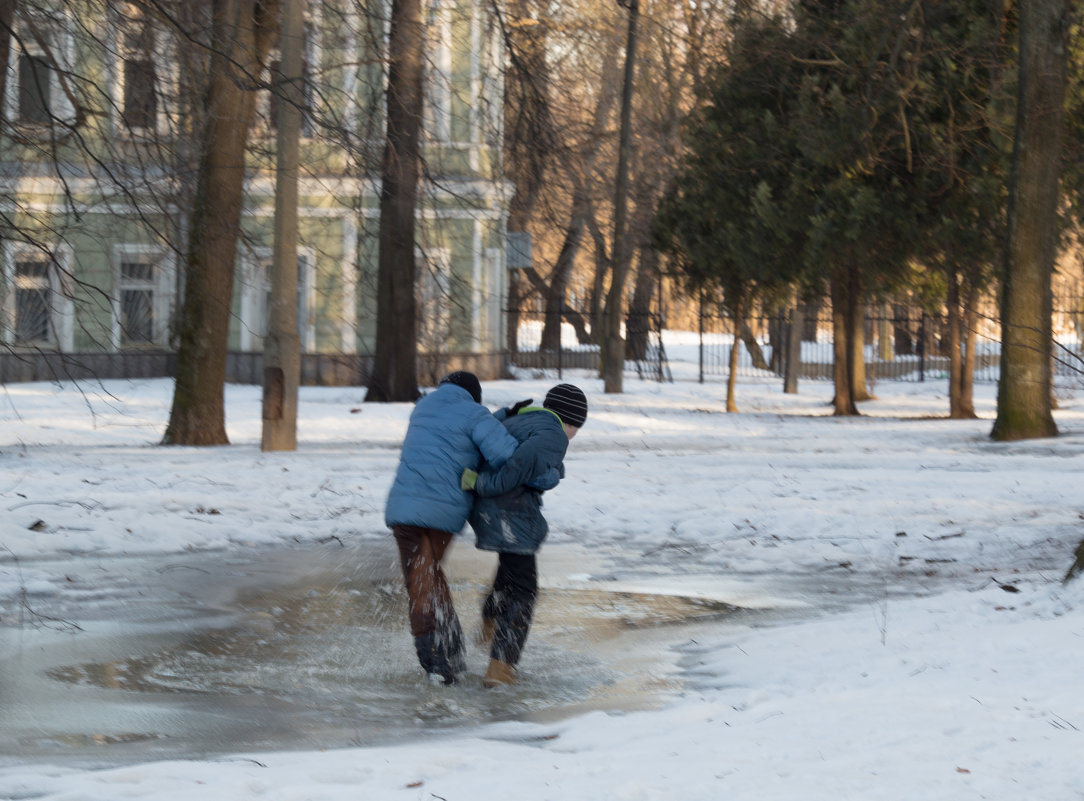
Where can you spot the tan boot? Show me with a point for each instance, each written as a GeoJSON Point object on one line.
{"type": "Point", "coordinates": [499, 673]}
{"type": "Point", "coordinates": [485, 634]}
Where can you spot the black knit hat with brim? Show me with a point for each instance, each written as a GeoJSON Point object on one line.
{"type": "Point", "coordinates": [569, 403]}
{"type": "Point", "coordinates": [469, 382]}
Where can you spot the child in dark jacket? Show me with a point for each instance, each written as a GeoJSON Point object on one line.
{"type": "Point", "coordinates": [507, 518]}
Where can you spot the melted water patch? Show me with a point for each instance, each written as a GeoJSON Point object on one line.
{"type": "Point", "coordinates": [249, 654]}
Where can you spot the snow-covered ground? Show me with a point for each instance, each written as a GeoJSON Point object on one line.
{"type": "Point", "coordinates": [970, 691]}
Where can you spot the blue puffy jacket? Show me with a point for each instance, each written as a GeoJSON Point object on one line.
{"type": "Point", "coordinates": [448, 433]}
{"type": "Point", "coordinates": [507, 517]}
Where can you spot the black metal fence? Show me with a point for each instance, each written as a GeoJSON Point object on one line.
{"type": "Point", "coordinates": [900, 344]}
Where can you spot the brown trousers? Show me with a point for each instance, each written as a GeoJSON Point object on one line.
{"type": "Point", "coordinates": [429, 600]}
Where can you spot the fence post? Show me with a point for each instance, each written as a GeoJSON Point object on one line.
{"type": "Point", "coordinates": [922, 348]}
{"type": "Point", "coordinates": [700, 326]}
{"type": "Point", "coordinates": [560, 337]}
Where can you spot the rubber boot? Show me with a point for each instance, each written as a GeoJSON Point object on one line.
{"type": "Point", "coordinates": [499, 673]}
{"type": "Point", "coordinates": [484, 639]}
{"type": "Point", "coordinates": [450, 641]}
{"type": "Point", "coordinates": [433, 658]}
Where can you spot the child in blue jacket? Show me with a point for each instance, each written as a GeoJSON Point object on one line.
{"type": "Point", "coordinates": [507, 518]}
{"type": "Point", "coordinates": [449, 431]}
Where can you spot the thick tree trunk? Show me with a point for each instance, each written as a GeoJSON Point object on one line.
{"type": "Point", "coordinates": [243, 33]}
{"type": "Point", "coordinates": [394, 375]}
{"type": "Point", "coordinates": [1024, 406]}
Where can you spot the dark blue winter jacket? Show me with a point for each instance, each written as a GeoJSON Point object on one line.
{"type": "Point", "coordinates": [507, 517]}
{"type": "Point", "coordinates": [448, 433]}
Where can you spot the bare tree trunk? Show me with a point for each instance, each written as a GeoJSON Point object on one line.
{"type": "Point", "coordinates": [857, 339]}
{"type": "Point", "coordinates": [602, 269]}
{"type": "Point", "coordinates": [282, 347]}
{"type": "Point", "coordinates": [613, 346]}
{"type": "Point", "coordinates": [243, 33]}
{"type": "Point", "coordinates": [638, 325]}
{"type": "Point", "coordinates": [735, 349]}
{"type": "Point", "coordinates": [961, 345]}
{"type": "Point", "coordinates": [955, 350]}
{"type": "Point", "coordinates": [1024, 406]}
{"type": "Point", "coordinates": [794, 348]}
{"type": "Point", "coordinates": [967, 374]}
{"type": "Point", "coordinates": [555, 293]}
{"type": "Point", "coordinates": [529, 135]}
{"type": "Point", "coordinates": [756, 353]}
{"type": "Point", "coordinates": [7, 19]}
{"type": "Point", "coordinates": [394, 375]}
{"type": "Point", "coordinates": [843, 313]}
{"type": "Point", "coordinates": [581, 210]}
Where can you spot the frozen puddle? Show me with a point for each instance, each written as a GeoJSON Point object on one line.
{"type": "Point", "coordinates": [213, 653]}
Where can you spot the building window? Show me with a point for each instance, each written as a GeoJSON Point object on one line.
{"type": "Point", "coordinates": [33, 303]}
{"type": "Point", "coordinates": [143, 297]}
{"type": "Point", "coordinates": [256, 298]}
{"type": "Point", "coordinates": [142, 52]}
{"type": "Point", "coordinates": [434, 299]}
{"type": "Point", "coordinates": [37, 308]}
{"type": "Point", "coordinates": [140, 106]}
{"type": "Point", "coordinates": [35, 88]}
{"type": "Point", "coordinates": [39, 64]}
{"type": "Point", "coordinates": [137, 323]}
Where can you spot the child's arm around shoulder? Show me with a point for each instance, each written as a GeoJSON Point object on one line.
{"type": "Point", "coordinates": [542, 451]}
{"type": "Point", "coordinates": [492, 439]}
{"type": "Point", "coordinates": [549, 479]}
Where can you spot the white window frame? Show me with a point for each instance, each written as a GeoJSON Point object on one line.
{"type": "Point", "coordinates": [255, 312]}
{"type": "Point", "coordinates": [166, 79]}
{"type": "Point", "coordinates": [255, 290]}
{"type": "Point", "coordinates": [438, 78]}
{"type": "Point", "coordinates": [61, 307]}
{"type": "Point", "coordinates": [487, 313]}
{"type": "Point", "coordinates": [306, 299]}
{"type": "Point", "coordinates": [434, 317]}
{"type": "Point", "coordinates": [61, 52]}
{"type": "Point", "coordinates": [160, 285]}
{"type": "Point", "coordinates": [490, 96]}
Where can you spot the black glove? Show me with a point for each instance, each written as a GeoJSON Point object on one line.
{"type": "Point", "coordinates": [514, 410]}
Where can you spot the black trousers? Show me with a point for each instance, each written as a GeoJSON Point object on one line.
{"type": "Point", "coordinates": [511, 605]}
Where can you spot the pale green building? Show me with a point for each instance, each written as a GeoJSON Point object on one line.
{"type": "Point", "coordinates": [97, 166]}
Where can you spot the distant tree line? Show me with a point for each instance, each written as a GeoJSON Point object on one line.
{"type": "Point", "coordinates": [858, 148]}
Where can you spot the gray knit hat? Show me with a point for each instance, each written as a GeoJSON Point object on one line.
{"type": "Point", "coordinates": [569, 403]}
